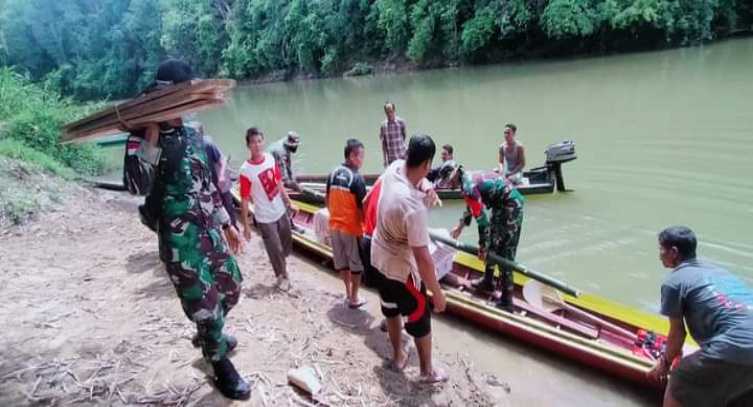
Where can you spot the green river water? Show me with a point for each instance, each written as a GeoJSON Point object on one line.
{"type": "Point", "coordinates": [662, 138]}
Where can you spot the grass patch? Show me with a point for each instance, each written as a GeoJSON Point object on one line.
{"type": "Point", "coordinates": [28, 184]}
{"type": "Point", "coordinates": [19, 151]}
{"type": "Point", "coordinates": [35, 169]}
{"type": "Point", "coordinates": [33, 115]}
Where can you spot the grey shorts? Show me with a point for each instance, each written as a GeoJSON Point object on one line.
{"type": "Point", "coordinates": [345, 251]}
{"type": "Point", "coordinates": [702, 381]}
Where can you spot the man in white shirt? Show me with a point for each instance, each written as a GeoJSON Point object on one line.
{"type": "Point", "coordinates": [401, 254]}
{"type": "Point", "coordinates": [261, 184]}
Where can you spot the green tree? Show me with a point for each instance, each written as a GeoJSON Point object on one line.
{"type": "Point", "coordinates": [571, 18]}
{"type": "Point", "coordinates": [435, 30]}
{"type": "Point", "coordinates": [194, 30]}
{"type": "Point", "coordinates": [393, 22]}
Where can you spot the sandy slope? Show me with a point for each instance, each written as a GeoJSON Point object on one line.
{"type": "Point", "coordinates": [88, 315]}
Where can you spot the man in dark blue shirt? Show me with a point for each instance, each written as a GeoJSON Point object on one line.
{"type": "Point", "coordinates": [717, 308]}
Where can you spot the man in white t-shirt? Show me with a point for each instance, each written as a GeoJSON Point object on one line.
{"type": "Point", "coordinates": [261, 184]}
{"type": "Point", "coordinates": [400, 252]}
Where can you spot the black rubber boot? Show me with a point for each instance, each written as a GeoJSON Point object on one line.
{"type": "Point", "coordinates": [507, 287]}
{"type": "Point", "coordinates": [485, 283]}
{"type": "Point", "coordinates": [505, 304]}
{"type": "Point", "coordinates": [231, 342]}
{"type": "Point", "coordinates": [229, 382]}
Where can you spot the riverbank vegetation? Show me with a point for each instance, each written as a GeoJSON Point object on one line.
{"type": "Point", "coordinates": [33, 166]}
{"type": "Point", "coordinates": [95, 49]}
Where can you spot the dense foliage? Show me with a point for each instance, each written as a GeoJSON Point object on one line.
{"type": "Point", "coordinates": [30, 119]}
{"type": "Point", "coordinates": [109, 48]}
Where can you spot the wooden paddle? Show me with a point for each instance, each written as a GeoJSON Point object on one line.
{"type": "Point", "coordinates": [550, 299]}
{"type": "Point", "coordinates": [501, 261]}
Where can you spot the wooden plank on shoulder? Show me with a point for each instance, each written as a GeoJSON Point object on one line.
{"type": "Point", "coordinates": [190, 96]}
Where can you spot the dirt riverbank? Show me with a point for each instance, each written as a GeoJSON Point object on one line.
{"type": "Point", "coordinates": [91, 317]}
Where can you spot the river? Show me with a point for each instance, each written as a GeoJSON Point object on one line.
{"type": "Point", "coordinates": [662, 138]}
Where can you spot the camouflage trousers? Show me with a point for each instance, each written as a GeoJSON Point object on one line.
{"type": "Point", "coordinates": [208, 282]}
{"type": "Point", "coordinates": [504, 243]}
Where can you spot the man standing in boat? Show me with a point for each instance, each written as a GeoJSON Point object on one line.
{"type": "Point", "coordinates": [186, 210]}
{"type": "Point", "coordinates": [512, 156]}
{"type": "Point", "coordinates": [717, 309]}
{"type": "Point", "coordinates": [392, 135]}
{"type": "Point", "coordinates": [346, 190]}
{"type": "Point", "coordinates": [400, 253]}
{"type": "Point", "coordinates": [500, 234]}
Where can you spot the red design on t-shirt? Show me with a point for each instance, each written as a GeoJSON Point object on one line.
{"type": "Point", "coordinates": [270, 181]}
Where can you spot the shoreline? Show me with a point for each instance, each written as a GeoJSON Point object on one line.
{"type": "Point", "coordinates": [404, 66]}
{"type": "Point", "coordinates": [97, 321]}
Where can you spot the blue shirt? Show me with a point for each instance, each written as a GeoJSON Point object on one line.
{"type": "Point", "coordinates": [717, 308]}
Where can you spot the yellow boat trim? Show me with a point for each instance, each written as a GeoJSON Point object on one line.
{"type": "Point", "coordinates": [592, 346]}
{"type": "Point", "coordinates": [591, 302]}
{"type": "Point", "coordinates": [603, 306]}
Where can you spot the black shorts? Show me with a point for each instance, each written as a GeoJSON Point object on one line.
{"type": "Point", "coordinates": [404, 299]}
{"type": "Point", "coordinates": [369, 276]}
{"type": "Point", "coordinates": [702, 381]}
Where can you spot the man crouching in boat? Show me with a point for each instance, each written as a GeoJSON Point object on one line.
{"type": "Point", "coordinates": [499, 235]}
{"type": "Point", "coordinates": [185, 208]}
{"type": "Point", "coordinates": [400, 253]}
{"type": "Point", "coordinates": [718, 310]}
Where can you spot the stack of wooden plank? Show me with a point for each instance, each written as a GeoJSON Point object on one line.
{"type": "Point", "coordinates": [164, 104]}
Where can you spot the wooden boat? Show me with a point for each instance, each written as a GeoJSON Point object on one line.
{"type": "Point", "coordinates": [541, 180]}
{"type": "Point", "coordinates": [587, 329]}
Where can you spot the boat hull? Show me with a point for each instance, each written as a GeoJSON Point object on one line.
{"type": "Point", "coordinates": [540, 181]}
{"type": "Point", "coordinates": [561, 335]}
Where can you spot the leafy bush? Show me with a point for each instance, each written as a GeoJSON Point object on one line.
{"type": "Point", "coordinates": [33, 116]}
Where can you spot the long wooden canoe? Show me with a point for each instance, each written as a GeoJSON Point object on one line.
{"type": "Point", "coordinates": [572, 331]}
{"type": "Point", "coordinates": [540, 181]}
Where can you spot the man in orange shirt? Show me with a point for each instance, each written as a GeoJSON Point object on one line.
{"type": "Point", "coordinates": [346, 190]}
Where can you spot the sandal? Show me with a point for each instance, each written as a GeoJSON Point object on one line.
{"type": "Point", "coordinates": [437, 376]}
{"type": "Point", "coordinates": [407, 348]}
{"type": "Point", "coordinates": [358, 304]}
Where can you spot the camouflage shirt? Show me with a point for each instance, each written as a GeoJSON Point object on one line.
{"type": "Point", "coordinates": [283, 157]}
{"type": "Point", "coordinates": [190, 202]}
{"type": "Point", "coordinates": [482, 190]}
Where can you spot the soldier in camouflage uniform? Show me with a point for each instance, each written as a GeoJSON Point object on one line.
{"type": "Point", "coordinates": [282, 151]}
{"type": "Point", "coordinates": [187, 211]}
{"type": "Point", "coordinates": [501, 233]}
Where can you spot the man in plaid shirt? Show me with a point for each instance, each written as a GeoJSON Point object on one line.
{"type": "Point", "coordinates": [392, 134]}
